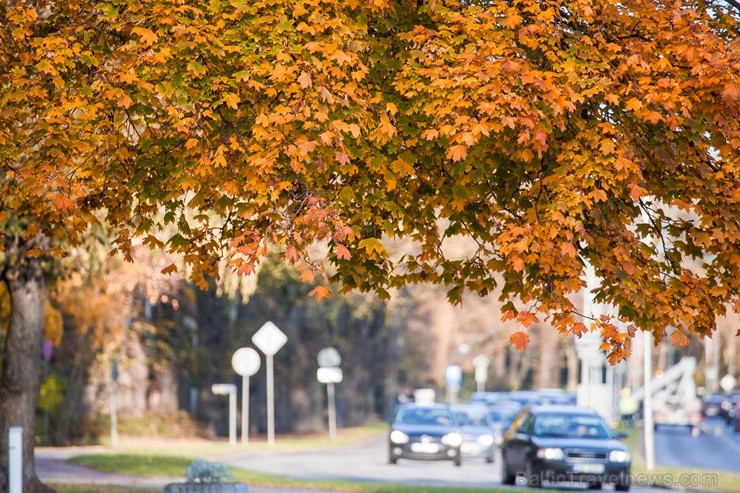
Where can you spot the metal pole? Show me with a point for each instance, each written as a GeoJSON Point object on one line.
{"type": "Point", "coordinates": [245, 409]}
{"type": "Point", "coordinates": [332, 411]}
{"type": "Point", "coordinates": [15, 459]}
{"type": "Point", "coordinates": [270, 403]}
{"type": "Point", "coordinates": [647, 404]}
{"type": "Point", "coordinates": [232, 418]}
{"type": "Point", "coordinates": [114, 404]}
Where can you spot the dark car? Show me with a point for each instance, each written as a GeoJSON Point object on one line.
{"type": "Point", "coordinates": [425, 432]}
{"type": "Point", "coordinates": [501, 415]}
{"type": "Point", "coordinates": [564, 444]}
{"type": "Point", "coordinates": [477, 431]}
{"type": "Point", "coordinates": [711, 405]}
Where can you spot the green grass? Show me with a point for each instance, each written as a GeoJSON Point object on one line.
{"type": "Point", "coordinates": [672, 476]}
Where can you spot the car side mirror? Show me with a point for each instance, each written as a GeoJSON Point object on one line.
{"type": "Point", "coordinates": [621, 434]}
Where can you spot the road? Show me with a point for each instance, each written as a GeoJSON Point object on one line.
{"type": "Point", "coordinates": [717, 448]}
{"type": "Point", "coordinates": [368, 461]}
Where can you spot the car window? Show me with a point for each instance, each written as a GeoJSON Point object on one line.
{"type": "Point", "coordinates": [571, 426]}
{"type": "Point", "coordinates": [471, 417]}
{"type": "Point", "coordinates": [425, 416]}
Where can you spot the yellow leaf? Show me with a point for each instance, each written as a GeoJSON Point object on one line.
{"type": "Point", "coordinates": [231, 100]}
{"type": "Point", "coordinates": [568, 249]}
{"type": "Point", "coordinates": [342, 252]}
{"type": "Point", "coordinates": [458, 152]}
{"type": "Point", "coordinates": [429, 134]}
{"type": "Point", "coordinates": [191, 143]}
{"type": "Point", "coordinates": [170, 269]}
{"type": "Point", "coordinates": [292, 254]}
{"type": "Point", "coordinates": [146, 35]}
{"type": "Point", "coordinates": [305, 80]}
{"type": "Point", "coordinates": [634, 104]}
{"type": "Point", "coordinates": [63, 203]}
{"type": "Point", "coordinates": [319, 293]}
{"type": "Point", "coordinates": [519, 340]}
{"type": "Point", "coordinates": [636, 192]}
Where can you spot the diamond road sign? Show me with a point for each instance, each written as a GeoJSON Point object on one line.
{"type": "Point", "coordinates": [269, 339]}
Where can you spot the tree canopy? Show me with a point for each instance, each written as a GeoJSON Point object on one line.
{"type": "Point", "coordinates": [551, 135]}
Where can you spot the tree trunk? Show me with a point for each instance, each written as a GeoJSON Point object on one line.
{"type": "Point", "coordinates": [27, 282]}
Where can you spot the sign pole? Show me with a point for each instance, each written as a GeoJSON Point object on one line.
{"type": "Point", "coordinates": [246, 362]}
{"type": "Point", "coordinates": [332, 411]}
{"type": "Point", "coordinates": [15, 459]}
{"type": "Point", "coordinates": [269, 339]}
{"type": "Point", "coordinates": [245, 409]}
{"type": "Point", "coordinates": [270, 403]}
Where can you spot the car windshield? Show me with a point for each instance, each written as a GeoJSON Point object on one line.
{"type": "Point", "coordinates": [471, 417]}
{"type": "Point", "coordinates": [570, 426]}
{"type": "Point", "coordinates": [502, 415]}
{"type": "Point", "coordinates": [424, 416]}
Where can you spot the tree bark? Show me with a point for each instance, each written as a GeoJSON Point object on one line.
{"type": "Point", "coordinates": [27, 281]}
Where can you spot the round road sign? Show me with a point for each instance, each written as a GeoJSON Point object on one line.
{"type": "Point", "coordinates": [246, 361]}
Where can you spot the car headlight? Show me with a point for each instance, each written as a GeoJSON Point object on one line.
{"type": "Point", "coordinates": [550, 454]}
{"type": "Point", "coordinates": [619, 456]}
{"type": "Point", "coordinates": [452, 439]}
{"type": "Point", "coordinates": [485, 440]}
{"type": "Point", "coordinates": [398, 436]}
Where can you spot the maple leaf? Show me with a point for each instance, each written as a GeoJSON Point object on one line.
{"type": "Point", "coordinates": [458, 152]}
{"type": "Point", "coordinates": [319, 293]}
{"type": "Point", "coordinates": [342, 252]}
{"type": "Point", "coordinates": [305, 80]}
{"type": "Point", "coordinates": [170, 269]}
{"type": "Point", "coordinates": [520, 340]}
{"type": "Point", "coordinates": [146, 35]}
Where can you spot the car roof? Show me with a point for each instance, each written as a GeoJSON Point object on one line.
{"type": "Point", "coordinates": [561, 409]}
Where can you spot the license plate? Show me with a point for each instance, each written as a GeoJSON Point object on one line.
{"type": "Point", "coordinates": [425, 448]}
{"type": "Point", "coordinates": [589, 468]}
{"type": "Point", "coordinates": [469, 448]}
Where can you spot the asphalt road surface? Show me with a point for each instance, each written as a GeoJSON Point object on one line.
{"type": "Point", "coordinates": [717, 447]}
{"type": "Point", "coordinates": [368, 461]}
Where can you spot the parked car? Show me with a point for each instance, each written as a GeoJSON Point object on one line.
{"type": "Point", "coordinates": [564, 443]}
{"type": "Point", "coordinates": [501, 415]}
{"type": "Point", "coordinates": [556, 396]}
{"type": "Point", "coordinates": [735, 421]}
{"type": "Point", "coordinates": [711, 405]}
{"type": "Point", "coordinates": [727, 407]}
{"type": "Point", "coordinates": [425, 432]}
{"type": "Point", "coordinates": [477, 431]}
{"type": "Point", "coordinates": [487, 398]}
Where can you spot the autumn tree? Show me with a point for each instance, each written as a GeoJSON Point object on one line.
{"type": "Point", "coordinates": [551, 135]}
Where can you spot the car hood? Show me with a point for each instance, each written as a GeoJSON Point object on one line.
{"type": "Point", "coordinates": [585, 443]}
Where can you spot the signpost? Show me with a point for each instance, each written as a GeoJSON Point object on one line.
{"type": "Point", "coordinates": [453, 379]}
{"type": "Point", "coordinates": [329, 373]}
{"type": "Point", "coordinates": [480, 363]}
{"type": "Point", "coordinates": [269, 339]}
{"type": "Point", "coordinates": [15, 459]}
{"type": "Point", "coordinates": [230, 390]}
{"type": "Point", "coordinates": [245, 361]}
{"type": "Point", "coordinates": [114, 403]}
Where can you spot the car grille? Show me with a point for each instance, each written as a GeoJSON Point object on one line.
{"type": "Point", "coordinates": [580, 454]}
